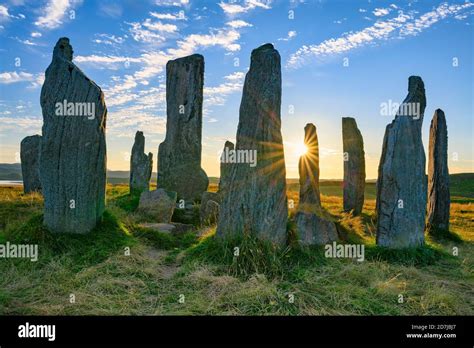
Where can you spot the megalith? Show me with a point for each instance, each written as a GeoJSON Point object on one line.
{"type": "Point", "coordinates": [73, 149]}
{"type": "Point", "coordinates": [141, 165]}
{"type": "Point", "coordinates": [225, 167]}
{"type": "Point", "coordinates": [179, 155]}
{"type": "Point", "coordinates": [401, 182]}
{"type": "Point", "coordinates": [438, 174]}
{"type": "Point", "coordinates": [311, 225]}
{"type": "Point", "coordinates": [255, 200]}
{"type": "Point", "coordinates": [30, 148]}
{"type": "Point", "coordinates": [354, 166]}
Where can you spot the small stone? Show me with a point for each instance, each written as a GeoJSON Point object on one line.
{"type": "Point", "coordinates": [30, 150]}
{"type": "Point", "coordinates": [209, 212]}
{"type": "Point", "coordinates": [439, 199]}
{"type": "Point", "coordinates": [158, 204]}
{"type": "Point", "coordinates": [140, 166]}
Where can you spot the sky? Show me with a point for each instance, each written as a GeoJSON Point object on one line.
{"type": "Point", "coordinates": [339, 59]}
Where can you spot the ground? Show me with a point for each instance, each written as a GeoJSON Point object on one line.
{"type": "Point", "coordinates": [199, 275]}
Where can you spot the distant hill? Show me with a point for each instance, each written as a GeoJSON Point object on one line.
{"type": "Point", "coordinates": [461, 184]}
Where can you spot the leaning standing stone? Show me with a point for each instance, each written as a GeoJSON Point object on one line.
{"type": "Point", "coordinates": [73, 150]}
{"type": "Point", "coordinates": [179, 156]}
{"type": "Point", "coordinates": [354, 166]}
{"type": "Point", "coordinates": [140, 165]}
{"type": "Point", "coordinates": [438, 174]}
{"type": "Point", "coordinates": [311, 225]}
{"type": "Point", "coordinates": [255, 200]}
{"type": "Point", "coordinates": [30, 149]}
{"type": "Point", "coordinates": [401, 183]}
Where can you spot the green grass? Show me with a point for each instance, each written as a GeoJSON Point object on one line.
{"type": "Point", "coordinates": [262, 280]}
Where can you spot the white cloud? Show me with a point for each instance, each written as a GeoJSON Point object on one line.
{"type": "Point", "coordinates": [401, 26]}
{"type": "Point", "coordinates": [35, 34]}
{"type": "Point", "coordinates": [169, 16]}
{"type": "Point", "coordinates": [217, 95]}
{"type": "Point", "coordinates": [13, 77]}
{"type": "Point", "coordinates": [55, 12]}
{"type": "Point", "coordinates": [167, 3]}
{"type": "Point", "coordinates": [110, 62]}
{"type": "Point", "coordinates": [4, 14]}
{"type": "Point", "coordinates": [247, 5]}
{"type": "Point", "coordinates": [291, 34]}
{"type": "Point", "coordinates": [108, 39]}
{"type": "Point", "coordinates": [380, 12]}
{"type": "Point", "coordinates": [238, 24]}
{"type": "Point", "coordinates": [159, 26]}
{"type": "Point", "coordinates": [144, 35]}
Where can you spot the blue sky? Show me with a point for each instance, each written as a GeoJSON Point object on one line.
{"type": "Point", "coordinates": [339, 58]}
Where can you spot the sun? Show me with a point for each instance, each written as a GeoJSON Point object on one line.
{"type": "Point", "coordinates": [301, 149]}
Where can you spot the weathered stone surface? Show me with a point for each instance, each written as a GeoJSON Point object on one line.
{"type": "Point", "coordinates": [158, 204]}
{"type": "Point", "coordinates": [140, 165]}
{"type": "Point", "coordinates": [255, 202]}
{"type": "Point", "coordinates": [311, 225]}
{"type": "Point", "coordinates": [209, 210]}
{"type": "Point", "coordinates": [179, 156]}
{"type": "Point", "coordinates": [73, 149]}
{"type": "Point", "coordinates": [401, 183]}
{"type": "Point", "coordinates": [30, 150]}
{"type": "Point", "coordinates": [354, 166]}
{"type": "Point", "coordinates": [225, 168]}
{"type": "Point", "coordinates": [438, 174]}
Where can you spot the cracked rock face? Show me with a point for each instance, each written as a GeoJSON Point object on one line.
{"type": "Point", "coordinates": [179, 156]}
{"type": "Point", "coordinates": [73, 149]}
{"type": "Point", "coordinates": [30, 149]}
{"type": "Point", "coordinates": [438, 174]}
{"type": "Point", "coordinates": [141, 165]}
{"type": "Point", "coordinates": [311, 225]}
{"type": "Point", "coordinates": [354, 166]}
{"type": "Point", "coordinates": [255, 200]}
{"type": "Point", "coordinates": [401, 183]}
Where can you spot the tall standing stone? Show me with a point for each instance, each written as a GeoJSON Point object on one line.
{"type": "Point", "coordinates": [401, 183]}
{"type": "Point", "coordinates": [311, 225]}
{"type": "Point", "coordinates": [73, 149]}
{"type": "Point", "coordinates": [141, 165]}
{"type": "Point", "coordinates": [225, 167]}
{"type": "Point", "coordinates": [354, 166]}
{"type": "Point", "coordinates": [30, 149]}
{"type": "Point", "coordinates": [179, 156]}
{"type": "Point", "coordinates": [438, 174]}
{"type": "Point", "coordinates": [255, 201]}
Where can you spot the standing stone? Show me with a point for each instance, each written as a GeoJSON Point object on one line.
{"type": "Point", "coordinates": [401, 183]}
{"type": "Point", "coordinates": [140, 165]}
{"type": "Point", "coordinates": [438, 174]}
{"type": "Point", "coordinates": [255, 201]}
{"type": "Point", "coordinates": [208, 212]}
{"type": "Point", "coordinates": [311, 225]}
{"type": "Point", "coordinates": [225, 167]}
{"type": "Point", "coordinates": [30, 149]}
{"type": "Point", "coordinates": [354, 166]}
{"type": "Point", "coordinates": [73, 149]}
{"type": "Point", "coordinates": [179, 156]}
{"type": "Point", "coordinates": [158, 204]}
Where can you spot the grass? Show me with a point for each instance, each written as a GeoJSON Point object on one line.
{"type": "Point", "coordinates": [121, 268]}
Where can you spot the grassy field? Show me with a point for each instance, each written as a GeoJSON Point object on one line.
{"type": "Point", "coordinates": [197, 274]}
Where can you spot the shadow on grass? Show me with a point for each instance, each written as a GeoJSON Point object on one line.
{"type": "Point", "coordinates": [166, 241]}
{"type": "Point", "coordinates": [128, 202]}
{"type": "Point", "coordinates": [442, 235]}
{"type": "Point", "coordinates": [81, 250]}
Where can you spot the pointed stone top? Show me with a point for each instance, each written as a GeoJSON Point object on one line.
{"type": "Point", "coordinates": [63, 49]}
{"type": "Point", "coordinates": [265, 47]}
{"type": "Point", "coordinates": [229, 145]}
{"type": "Point", "coordinates": [138, 134]}
{"type": "Point", "coordinates": [310, 136]}
{"type": "Point", "coordinates": [415, 85]}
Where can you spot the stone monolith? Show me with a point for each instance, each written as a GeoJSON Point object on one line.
{"type": "Point", "coordinates": [141, 165]}
{"type": "Point", "coordinates": [30, 149]}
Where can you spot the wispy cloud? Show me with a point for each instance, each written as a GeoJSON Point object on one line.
{"type": "Point", "coordinates": [169, 16]}
{"type": "Point", "coordinates": [14, 77]}
{"type": "Point", "coordinates": [401, 26]}
{"type": "Point", "coordinates": [247, 5]}
{"type": "Point", "coordinates": [55, 12]}
{"type": "Point", "coordinates": [291, 34]}
{"type": "Point", "coordinates": [238, 24]}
